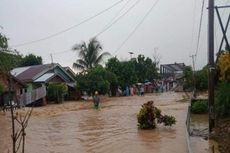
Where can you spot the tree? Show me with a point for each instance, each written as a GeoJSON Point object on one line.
{"type": "Point", "coordinates": [145, 68]}
{"type": "Point", "coordinates": [222, 92]}
{"type": "Point", "coordinates": [8, 61]}
{"type": "Point", "coordinates": [156, 58]}
{"type": "Point", "coordinates": [125, 71]}
{"type": "Point", "coordinates": [8, 58]}
{"type": "Point", "coordinates": [223, 65]}
{"type": "Point", "coordinates": [222, 99]}
{"type": "Point", "coordinates": [31, 59]}
{"type": "Point", "coordinates": [202, 78]}
{"type": "Point", "coordinates": [89, 54]}
{"type": "Point", "coordinates": [188, 74]}
{"type": "Point", "coordinates": [3, 42]}
{"type": "Point", "coordinates": [130, 72]}
{"type": "Point", "coordinates": [96, 79]}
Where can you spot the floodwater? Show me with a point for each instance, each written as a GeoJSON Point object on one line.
{"type": "Point", "coordinates": [74, 127]}
{"type": "Point", "coordinates": [199, 122]}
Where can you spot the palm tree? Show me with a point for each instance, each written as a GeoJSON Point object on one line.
{"type": "Point", "coordinates": [89, 54]}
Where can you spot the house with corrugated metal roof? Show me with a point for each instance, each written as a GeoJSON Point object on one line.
{"type": "Point", "coordinates": [38, 76]}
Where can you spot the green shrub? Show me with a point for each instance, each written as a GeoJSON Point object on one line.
{"type": "Point", "coordinates": [149, 113]}
{"type": "Point", "coordinates": [222, 100]}
{"type": "Point", "coordinates": [199, 107]}
{"type": "Point", "coordinates": [56, 91]}
{"type": "Point", "coordinates": [168, 120]}
{"type": "Point", "coordinates": [146, 121]}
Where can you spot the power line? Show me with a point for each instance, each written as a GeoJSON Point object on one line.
{"type": "Point", "coordinates": [112, 22]}
{"type": "Point", "coordinates": [200, 24]}
{"type": "Point", "coordinates": [137, 26]}
{"type": "Point", "coordinates": [108, 25]}
{"type": "Point", "coordinates": [62, 52]}
{"type": "Point", "coordinates": [67, 29]}
{"type": "Point", "coordinates": [194, 70]}
{"type": "Point", "coordinates": [193, 23]}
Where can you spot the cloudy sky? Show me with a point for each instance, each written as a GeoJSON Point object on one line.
{"type": "Point", "coordinates": [170, 29]}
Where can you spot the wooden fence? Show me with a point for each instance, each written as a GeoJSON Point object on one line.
{"type": "Point", "coordinates": [32, 96]}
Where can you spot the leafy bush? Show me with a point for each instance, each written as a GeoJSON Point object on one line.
{"type": "Point", "coordinates": [146, 116]}
{"type": "Point", "coordinates": [199, 107]}
{"type": "Point", "coordinates": [222, 100]}
{"type": "Point", "coordinates": [149, 113]}
{"type": "Point", "coordinates": [56, 91]}
{"type": "Point", "coordinates": [167, 120]}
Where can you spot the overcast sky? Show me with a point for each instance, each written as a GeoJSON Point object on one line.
{"type": "Point", "coordinates": [171, 28]}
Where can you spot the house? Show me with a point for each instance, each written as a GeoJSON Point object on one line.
{"type": "Point", "coordinates": [38, 76]}
{"type": "Point", "coordinates": [172, 70]}
{"type": "Point", "coordinates": [70, 71]}
{"type": "Point", "coordinates": [17, 89]}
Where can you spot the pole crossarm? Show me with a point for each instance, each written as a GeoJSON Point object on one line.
{"type": "Point", "coordinates": [222, 27]}
{"type": "Point", "coordinates": [224, 6]}
{"type": "Point", "coordinates": [221, 7]}
{"type": "Point", "coordinates": [226, 28]}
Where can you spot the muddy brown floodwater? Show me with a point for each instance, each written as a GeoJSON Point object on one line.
{"type": "Point", "coordinates": [74, 127]}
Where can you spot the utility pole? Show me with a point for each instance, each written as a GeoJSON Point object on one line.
{"type": "Point", "coordinates": [211, 64]}
{"type": "Point", "coordinates": [51, 58]}
{"type": "Point", "coordinates": [193, 75]}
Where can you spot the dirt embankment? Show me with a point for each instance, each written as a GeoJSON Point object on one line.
{"type": "Point", "coordinates": [222, 135]}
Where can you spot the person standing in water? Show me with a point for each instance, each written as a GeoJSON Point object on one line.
{"type": "Point", "coordinates": [96, 100]}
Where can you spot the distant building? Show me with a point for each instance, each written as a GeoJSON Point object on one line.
{"type": "Point", "coordinates": [173, 76]}
{"type": "Point", "coordinates": [172, 70]}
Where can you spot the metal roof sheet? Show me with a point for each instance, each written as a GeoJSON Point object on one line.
{"type": "Point", "coordinates": [174, 67]}
{"type": "Point", "coordinates": [29, 73]}
{"type": "Point", "coordinates": [19, 70]}
{"type": "Point", "coordinates": [45, 77]}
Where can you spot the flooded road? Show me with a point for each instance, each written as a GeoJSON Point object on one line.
{"type": "Point", "coordinates": [75, 127]}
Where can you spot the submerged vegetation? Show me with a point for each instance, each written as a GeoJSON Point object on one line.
{"type": "Point", "coordinates": [149, 116]}
{"type": "Point", "coordinates": [199, 106]}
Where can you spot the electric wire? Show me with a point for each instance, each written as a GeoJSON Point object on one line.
{"type": "Point", "coordinates": [112, 22]}
{"type": "Point", "coordinates": [108, 25]}
{"type": "Point", "coordinates": [137, 26]}
{"type": "Point", "coordinates": [193, 23]}
{"type": "Point", "coordinates": [199, 32]}
{"type": "Point", "coordinates": [69, 28]}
